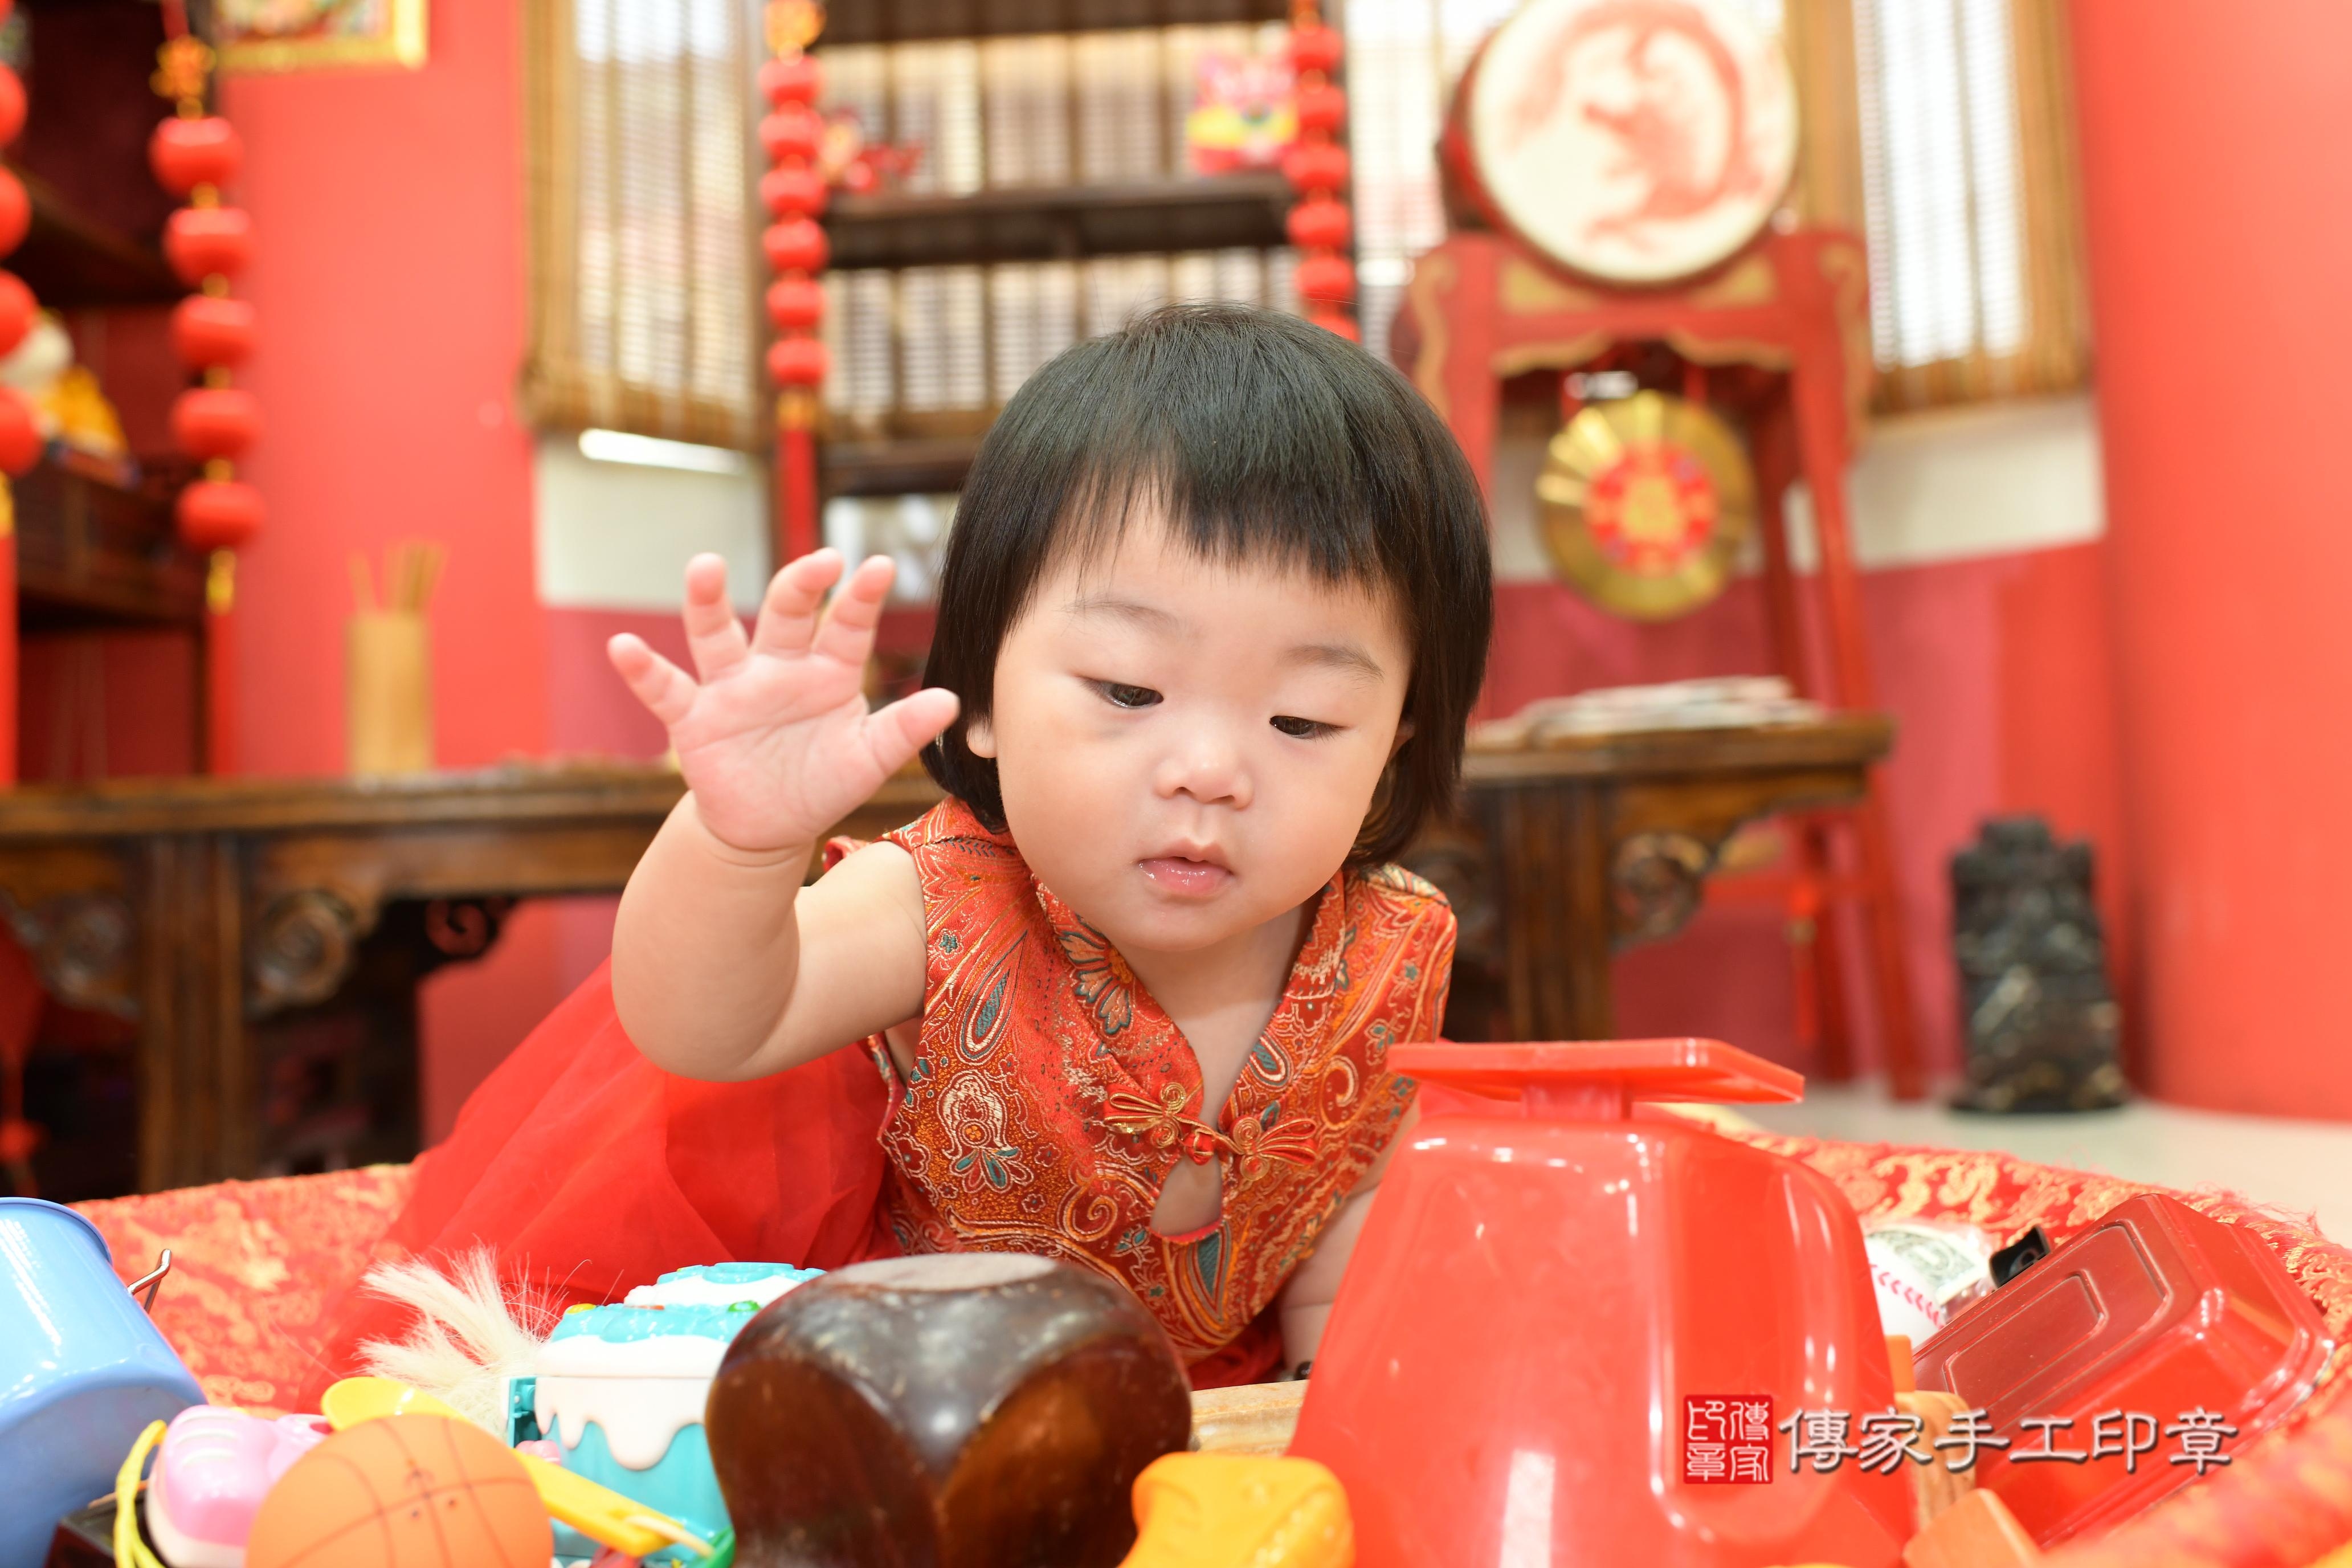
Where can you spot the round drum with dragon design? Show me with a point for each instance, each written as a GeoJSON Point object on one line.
{"type": "Point", "coordinates": [1634, 141]}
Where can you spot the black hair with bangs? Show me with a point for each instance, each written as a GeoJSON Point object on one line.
{"type": "Point", "coordinates": [1265, 437]}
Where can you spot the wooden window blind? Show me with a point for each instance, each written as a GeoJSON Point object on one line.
{"type": "Point", "coordinates": [1964, 137]}
{"type": "Point", "coordinates": [643, 268]}
{"type": "Point", "coordinates": [1941, 130]}
{"type": "Point", "coordinates": [1403, 58]}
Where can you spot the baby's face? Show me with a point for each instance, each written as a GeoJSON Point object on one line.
{"type": "Point", "coordinates": [1188, 750]}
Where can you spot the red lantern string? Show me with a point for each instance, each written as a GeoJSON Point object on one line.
{"type": "Point", "coordinates": [1317, 167]}
{"type": "Point", "coordinates": [793, 190]}
{"type": "Point", "coordinates": [193, 154]}
{"type": "Point", "coordinates": [20, 433]}
{"type": "Point", "coordinates": [20, 448]}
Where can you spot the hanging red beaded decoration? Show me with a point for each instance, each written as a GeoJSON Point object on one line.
{"type": "Point", "coordinates": [793, 190]}
{"type": "Point", "coordinates": [20, 448]}
{"type": "Point", "coordinates": [1317, 167]}
{"type": "Point", "coordinates": [21, 442]}
{"type": "Point", "coordinates": [193, 154]}
{"type": "Point", "coordinates": [20, 435]}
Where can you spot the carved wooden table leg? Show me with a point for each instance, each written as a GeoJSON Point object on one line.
{"type": "Point", "coordinates": [1552, 858]}
{"type": "Point", "coordinates": [195, 1078]}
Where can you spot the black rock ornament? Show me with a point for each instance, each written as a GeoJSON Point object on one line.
{"type": "Point", "coordinates": [2039, 1017]}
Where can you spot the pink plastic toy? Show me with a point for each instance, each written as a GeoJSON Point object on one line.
{"type": "Point", "coordinates": [211, 1473]}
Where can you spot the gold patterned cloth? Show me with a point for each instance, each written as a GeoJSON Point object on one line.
{"type": "Point", "coordinates": [255, 1265]}
{"type": "Point", "coordinates": [256, 1262]}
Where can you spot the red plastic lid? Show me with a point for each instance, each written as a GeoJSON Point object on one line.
{"type": "Point", "coordinates": [1598, 1079]}
{"type": "Point", "coordinates": [2153, 1312]}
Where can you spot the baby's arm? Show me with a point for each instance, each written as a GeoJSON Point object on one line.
{"type": "Point", "coordinates": [710, 951]}
{"type": "Point", "coordinates": [1307, 1300]}
{"type": "Point", "coordinates": [723, 966]}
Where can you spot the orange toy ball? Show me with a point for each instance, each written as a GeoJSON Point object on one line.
{"type": "Point", "coordinates": [406, 1492]}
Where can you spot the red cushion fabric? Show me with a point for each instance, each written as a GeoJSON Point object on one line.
{"type": "Point", "coordinates": [258, 1266]}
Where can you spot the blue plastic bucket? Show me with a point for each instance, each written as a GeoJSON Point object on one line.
{"type": "Point", "coordinates": [82, 1372]}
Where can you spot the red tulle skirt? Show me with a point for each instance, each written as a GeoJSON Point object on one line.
{"type": "Point", "coordinates": [588, 1170]}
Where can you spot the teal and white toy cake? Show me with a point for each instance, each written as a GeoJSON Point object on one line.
{"type": "Point", "coordinates": [621, 1389]}
{"type": "Point", "coordinates": [721, 1285]}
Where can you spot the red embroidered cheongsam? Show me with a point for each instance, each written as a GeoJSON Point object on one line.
{"type": "Point", "coordinates": [1051, 1097]}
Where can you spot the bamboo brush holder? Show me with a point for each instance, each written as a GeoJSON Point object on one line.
{"type": "Point", "coordinates": [388, 700]}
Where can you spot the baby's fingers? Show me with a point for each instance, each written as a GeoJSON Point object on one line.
{"type": "Point", "coordinates": [847, 634]}
{"type": "Point", "coordinates": [713, 635]}
{"type": "Point", "coordinates": [788, 611]}
{"type": "Point", "coordinates": [907, 725]}
{"type": "Point", "coordinates": [657, 683]}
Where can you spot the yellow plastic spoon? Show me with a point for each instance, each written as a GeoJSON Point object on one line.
{"type": "Point", "coordinates": [600, 1514]}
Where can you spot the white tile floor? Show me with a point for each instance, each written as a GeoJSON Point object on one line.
{"type": "Point", "coordinates": [2304, 1167]}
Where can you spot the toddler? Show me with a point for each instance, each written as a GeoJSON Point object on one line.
{"type": "Point", "coordinates": [1214, 614]}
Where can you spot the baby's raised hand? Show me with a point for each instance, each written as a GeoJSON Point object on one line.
{"type": "Point", "coordinates": [775, 740]}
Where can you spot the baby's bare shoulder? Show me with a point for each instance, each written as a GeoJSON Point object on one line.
{"type": "Point", "coordinates": [861, 951]}
{"type": "Point", "coordinates": [874, 878]}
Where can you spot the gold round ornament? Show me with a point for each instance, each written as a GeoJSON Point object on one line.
{"type": "Point", "coordinates": [1646, 502]}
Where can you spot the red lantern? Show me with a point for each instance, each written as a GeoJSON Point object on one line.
{"type": "Point", "coordinates": [193, 155]}
{"type": "Point", "coordinates": [211, 422]}
{"type": "Point", "coordinates": [185, 154]}
{"type": "Point", "coordinates": [200, 242]}
{"type": "Point", "coordinates": [1316, 47]}
{"type": "Point", "coordinates": [1316, 166]}
{"type": "Point", "coordinates": [17, 310]}
{"type": "Point", "coordinates": [792, 191]}
{"type": "Point", "coordinates": [798, 79]}
{"type": "Point", "coordinates": [20, 435]}
{"type": "Point", "coordinates": [1318, 223]}
{"type": "Point", "coordinates": [1321, 107]}
{"type": "Point", "coordinates": [795, 131]}
{"type": "Point", "coordinates": [1329, 279]}
{"type": "Point", "coordinates": [795, 245]}
{"type": "Point", "coordinates": [12, 104]}
{"type": "Point", "coordinates": [1332, 321]}
{"type": "Point", "coordinates": [795, 190]}
{"type": "Point", "coordinates": [218, 514]}
{"type": "Point", "coordinates": [15, 212]}
{"type": "Point", "coordinates": [795, 303]}
{"type": "Point", "coordinates": [798, 362]}
{"type": "Point", "coordinates": [208, 331]}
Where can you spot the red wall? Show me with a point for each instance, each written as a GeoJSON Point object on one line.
{"type": "Point", "coordinates": [389, 277]}
{"type": "Point", "coordinates": [2216, 154]}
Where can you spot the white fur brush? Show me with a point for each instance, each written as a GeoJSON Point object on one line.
{"type": "Point", "coordinates": [470, 1336]}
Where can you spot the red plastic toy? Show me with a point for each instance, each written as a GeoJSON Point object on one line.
{"type": "Point", "coordinates": [1563, 1317]}
{"type": "Point", "coordinates": [2109, 1348]}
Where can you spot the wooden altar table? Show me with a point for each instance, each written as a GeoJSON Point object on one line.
{"type": "Point", "coordinates": [266, 936]}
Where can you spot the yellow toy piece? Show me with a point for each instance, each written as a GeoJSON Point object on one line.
{"type": "Point", "coordinates": [600, 1514]}
{"type": "Point", "coordinates": [129, 1549]}
{"type": "Point", "coordinates": [1234, 1511]}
